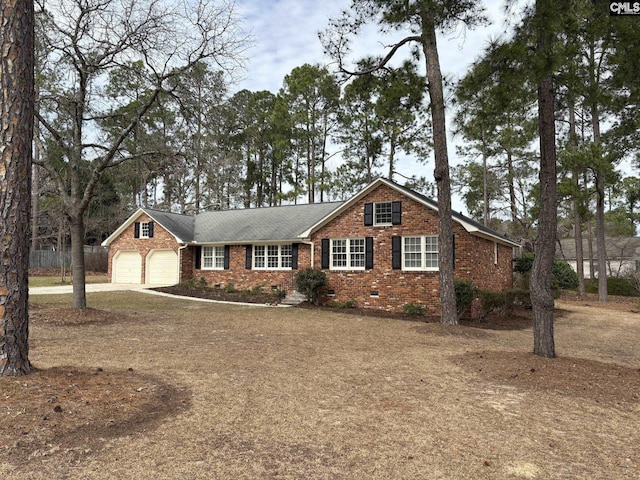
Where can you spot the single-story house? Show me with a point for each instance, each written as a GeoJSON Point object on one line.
{"type": "Point", "coordinates": [622, 253]}
{"type": "Point", "coordinates": [379, 248]}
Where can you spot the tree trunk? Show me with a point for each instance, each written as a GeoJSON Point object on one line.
{"type": "Point", "coordinates": [16, 77]}
{"type": "Point", "coordinates": [577, 232]}
{"type": "Point", "coordinates": [541, 293]}
{"type": "Point", "coordinates": [485, 182]}
{"type": "Point", "coordinates": [513, 207]}
{"type": "Point", "coordinates": [76, 224]}
{"type": "Point", "coordinates": [449, 314]}
{"type": "Point", "coordinates": [600, 240]}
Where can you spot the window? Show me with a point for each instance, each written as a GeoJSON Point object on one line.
{"type": "Point", "coordinates": [213, 258]}
{"type": "Point", "coordinates": [272, 257]}
{"type": "Point", "coordinates": [382, 213]}
{"type": "Point", "coordinates": [348, 254]}
{"type": "Point", "coordinates": [144, 230]}
{"type": "Point", "coordinates": [420, 253]}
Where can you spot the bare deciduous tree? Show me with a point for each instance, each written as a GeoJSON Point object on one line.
{"type": "Point", "coordinates": [84, 40]}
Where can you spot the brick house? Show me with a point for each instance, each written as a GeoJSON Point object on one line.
{"type": "Point", "coordinates": [379, 248]}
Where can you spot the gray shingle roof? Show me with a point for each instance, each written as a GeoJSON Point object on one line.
{"type": "Point", "coordinates": [283, 223]}
{"type": "Point", "coordinates": [617, 248]}
{"type": "Point", "coordinates": [179, 225]}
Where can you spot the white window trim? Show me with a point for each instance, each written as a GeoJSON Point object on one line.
{"type": "Point", "coordinates": [348, 267]}
{"type": "Point", "coordinates": [214, 256]}
{"type": "Point", "coordinates": [266, 256]}
{"type": "Point", "coordinates": [423, 255]}
{"type": "Point", "coordinates": [375, 216]}
{"type": "Point", "coordinates": [495, 253]}
{"type": "Point", "coordinates": [142, 230]}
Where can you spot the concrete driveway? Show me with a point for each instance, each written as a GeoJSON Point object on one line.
{"type": "Point", "coordinates": [90, 287]}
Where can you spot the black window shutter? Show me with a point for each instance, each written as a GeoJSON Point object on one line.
{"type": "Point", "coordinates": [453, 249]}
{"type": "Point", "coordinates": [396, 252]}
{"type": "Point", "coordinates": [227, 255]}
{"type": "Point", "coordinates": [136, 230]}
{"type": "Point", "coordinates": [368, 214]}
{"type": "Point", "coordinates": [198, 259]}
{"type": "Point", "coordinates": [396, 213]}
{"type": "Point", "coordinates": [248, 257]}
{"type": "Point", "coordinates": [294, 256]}
{"type": "Point", "coordinates": [368, 253]}
{"type": "Point", "coordinates": [150, 229]}
{"type": "Point", "coordinates": [325, 253]}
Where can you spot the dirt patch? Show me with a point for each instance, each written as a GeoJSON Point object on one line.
{"type": "Point", "coordinates": [61, 316]}
{"type": "Point", "coordinates": [71, 412]}
{"type": "Point", "coordinates": [572, 377]}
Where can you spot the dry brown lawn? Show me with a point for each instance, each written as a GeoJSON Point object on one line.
{"type": "Point", "coordinates": [147, 387]}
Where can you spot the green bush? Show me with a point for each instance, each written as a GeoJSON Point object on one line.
{"type": "Point", "coordinates": [195, 283]}
{"type": "Point", "coordinates": [490, 301]}
{"type": "Point", "coordinates": [564, 277]}
{"type": "Point", "coordinates": [518, 297]}
{"type": "Point", "coordinates": [348, 304]}
{"type": "Point", "coordinates": [230, 288]}
{"type": "Point", "coordinates": [413, 309]}
{"type": "Point", "coordinates": [309, 281]}
{"type": "Point", "coordinates": [257, 290]}
{"type": "Point", "coordinates": [464, 294]}
{"type": "Point", "coordinates": [615, 286]}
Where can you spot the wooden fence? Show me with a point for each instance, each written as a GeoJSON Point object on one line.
{"type": "Point", "coordinates": [95, 258]}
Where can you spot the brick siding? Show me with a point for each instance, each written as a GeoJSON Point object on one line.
{"type": "Point", "coordinates": [381, 287]}
{"type": "Point", "coordinates": [126, 241]}
{"type": "Point", "coordinates": [395, 288]}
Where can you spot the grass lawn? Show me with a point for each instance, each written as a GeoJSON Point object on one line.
{"type": "Point", "coordinates": [148, 387]}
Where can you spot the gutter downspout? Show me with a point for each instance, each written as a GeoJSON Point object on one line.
{"type": "Point", "coordinates": [312, 245]}
{"type": "Point", "coordinates": [180, 261]}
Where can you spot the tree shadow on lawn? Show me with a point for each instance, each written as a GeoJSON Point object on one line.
{"type": "Point", "coordinates": [67, 413]}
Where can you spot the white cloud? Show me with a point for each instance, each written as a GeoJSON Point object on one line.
{"type": "Point", "coordinates": [286, 36]}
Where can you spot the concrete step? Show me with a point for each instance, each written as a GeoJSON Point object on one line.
{"type": "Point", "coordinates": [294, 298]}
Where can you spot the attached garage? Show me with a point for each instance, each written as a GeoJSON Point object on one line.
{"type": "Point", "coordinates": [162, 267]}
{"type": "Point", "coordinates": [127, 267]}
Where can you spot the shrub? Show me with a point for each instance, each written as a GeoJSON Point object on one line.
{"type": "Point", "coordinates": [564, 277]}
{"type": "Point", "coordinates": [195, 283]}
{"type": "Point", "coordinates": [309, 281]}
{"type": "Point", "coordinates": [615, 286]}
{"type": "Point", "coordinates": [348, 304]}
{"type": "Point", "coordinates": [518, 297]}
{"type": "Point", "coordinates": [464, 294]}
{"type": "Point", "coordinates": [257, 290]}
{"type": "Point", "coordinates": [229, 288]}
{"type": "Point", "coordinates": [490, 301]}
{"type": "Point", "coordinates": [279, 292]}
{"type": "Point", "coordinates": [413, 309]}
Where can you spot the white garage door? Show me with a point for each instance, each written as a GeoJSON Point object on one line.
{"type": "Point", "coordinates": [127, 267]}
{"type": "Point", "coordinates": [162, 267]}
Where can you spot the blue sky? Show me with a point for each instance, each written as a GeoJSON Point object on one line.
{"type": "Point", "coordinates": [285, 33]}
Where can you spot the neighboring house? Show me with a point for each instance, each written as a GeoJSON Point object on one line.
{"type": "Point", "coordinates": [623, 255]}
{"type": "Point", "coordinates": [379, 248]}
